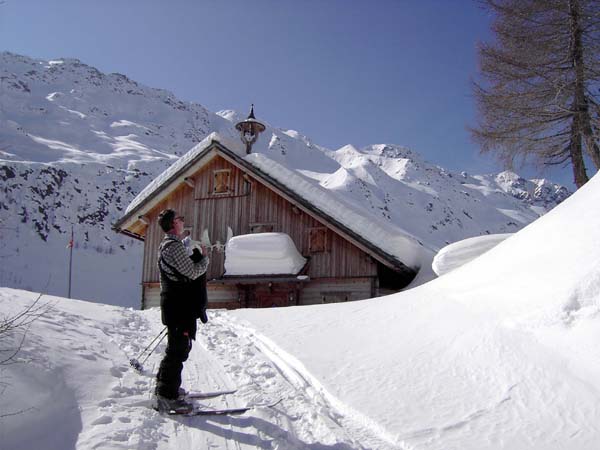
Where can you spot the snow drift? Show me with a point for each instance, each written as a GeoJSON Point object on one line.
{"type": "Point", "coordinates": [459, 253]}
{"type": "Point", "coordinates": [500, 353]}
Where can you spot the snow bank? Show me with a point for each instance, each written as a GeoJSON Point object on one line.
{"type": "Point", "coordinates": [500, 353]}
{"type": "Point", "coordinates": [261, 254]}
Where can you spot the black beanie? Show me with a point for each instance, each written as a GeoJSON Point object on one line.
{"type": "Point", "coordinates": [166, 219]}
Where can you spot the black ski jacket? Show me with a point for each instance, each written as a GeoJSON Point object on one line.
{"type": "Point", "coordinates": [182, 298]}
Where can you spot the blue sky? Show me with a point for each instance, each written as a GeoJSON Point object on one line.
{"type": "Point", "coordinates": [339, 71]}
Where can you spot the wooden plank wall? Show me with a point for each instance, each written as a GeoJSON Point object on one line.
{"type": "Point", "coordinates": [343, 259]}
{"type": "Point", "coordinates": [151, 295]}
{"type": "Point", "coordinates": [216, 212]}
{"type": "Point", "coordinates": [181, 200]}
{"type": "Point", "coordinates": [219, 296]}
{"type": "Point", "coordinates": [314, 292]}
{"type": "Point", "coordinates": [336, 290]}
{"type": "Point", "coordinates": [246, 204]}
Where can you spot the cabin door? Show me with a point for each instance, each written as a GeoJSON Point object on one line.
{"type": "Point", "coordinates": [268, 300]}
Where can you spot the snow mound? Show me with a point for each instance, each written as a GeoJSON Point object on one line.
{"type": "Point", "coordinates": [459, 253]}
{"type": "Point", "coordinates": [262, 254]}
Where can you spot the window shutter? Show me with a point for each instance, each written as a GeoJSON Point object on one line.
{"type": "Point", "coordinates": [221, 181]}
{"type": "Point", "coordinates": [317, 240]}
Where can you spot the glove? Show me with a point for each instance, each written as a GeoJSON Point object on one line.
{"type": "Point", "coordinates": [196, 256]}
{"type": "Point", "coordinates": [203, 316]}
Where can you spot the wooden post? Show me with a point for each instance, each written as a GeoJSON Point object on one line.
{"type": "Point", "coordinates": [70, 261]}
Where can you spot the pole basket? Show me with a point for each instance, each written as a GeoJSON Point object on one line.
{"type": "Point", "coordinates": [137, 366]}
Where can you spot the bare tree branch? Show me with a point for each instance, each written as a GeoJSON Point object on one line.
{"type": "Point", "coordinates": [540, 83]}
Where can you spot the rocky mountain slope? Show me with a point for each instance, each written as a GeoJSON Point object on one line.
{"type": "Point", "coordinates": [77, 145]}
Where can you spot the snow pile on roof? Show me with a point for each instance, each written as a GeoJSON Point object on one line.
{"type": "Point", "coordinates": [262, 254]}
{"type": "Point", "coordinates": [459, 253]}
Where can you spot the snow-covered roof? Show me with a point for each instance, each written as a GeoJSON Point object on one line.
{"type": "Point", "coordinates": [389, 239]}
{"type": "Point", "coordinates": [262, 254]}
{"type": "Point", "coordinates": [384, 235]}
{"type": "Point", "coordinates": [182, 163]}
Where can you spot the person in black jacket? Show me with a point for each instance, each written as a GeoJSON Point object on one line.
{"type": "Point", "coordinates": [181, 305]}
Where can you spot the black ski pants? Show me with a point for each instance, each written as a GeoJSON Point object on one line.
{"type": "Point", "coordinates": [168, 378]}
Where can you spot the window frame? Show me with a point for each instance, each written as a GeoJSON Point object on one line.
{"type": "Point", "coordinates": [324, 246]}
{"type": "Point", "coordinates": [226, 173]}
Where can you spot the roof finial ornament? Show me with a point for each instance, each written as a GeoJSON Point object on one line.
{"type": "Point", "coordinates": [250, 129]}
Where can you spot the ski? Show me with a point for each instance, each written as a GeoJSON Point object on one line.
{"type": "Point", "coordinates": [203, 395]}
{"type": "Point", "coordinates": [223, 411]}
{"type": "Point", "coordinates": [214, 412]}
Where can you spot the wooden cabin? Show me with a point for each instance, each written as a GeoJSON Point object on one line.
{"type": "Point", "coordinates": [221, 194]}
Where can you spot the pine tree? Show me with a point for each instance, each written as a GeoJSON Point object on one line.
{"type": "Point", "coordinates": [539, 97]}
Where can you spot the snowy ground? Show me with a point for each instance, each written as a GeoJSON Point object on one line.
{"type": "Point", "coordinates": [501, 353]}
{"type": "Point", "coordinates": [73, 387]}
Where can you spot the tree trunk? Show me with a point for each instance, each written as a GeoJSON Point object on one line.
{"type": "Point", "coordinates": [590, 140]}
{"type": "Point", "coordinates": [581, 105]}
{"type": "Point", "coordinates": [579, 173]}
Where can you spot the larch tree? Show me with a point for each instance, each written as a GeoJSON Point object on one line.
{"type": "Point", "coordinates": [539, 93]}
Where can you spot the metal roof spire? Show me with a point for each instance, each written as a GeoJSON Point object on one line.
{"type": "Point", "coordinates": [250, 129]}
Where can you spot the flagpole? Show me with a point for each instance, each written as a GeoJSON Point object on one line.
{"type": "Point", "coordinates": [70, 260]}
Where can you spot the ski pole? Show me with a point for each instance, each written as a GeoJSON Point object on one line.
{"type": "Point", "coordinates": [152, 351]}
{"type": "Point", "coordinates": [134, 361]}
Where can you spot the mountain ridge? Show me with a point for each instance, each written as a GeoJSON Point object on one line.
{"type": "Point", "coordinates": [78, 145]}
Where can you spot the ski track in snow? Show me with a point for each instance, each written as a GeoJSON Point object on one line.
{"type": "Point", "coordinates": [304, 419]}
{"type": "Point", "coordinates": [225, 356]}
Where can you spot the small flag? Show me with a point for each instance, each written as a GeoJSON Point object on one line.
{"type": "Point", "coordinates": [70, 244]}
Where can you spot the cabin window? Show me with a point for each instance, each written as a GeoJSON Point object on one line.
{"type": "Point", "coordinates": [262, 227]}
{"type": "Point", "coordinates": [335, 297]}
{"type": "Point", "coordinates": [221, 181]}
{"type": "Point", "coordinates": [317, 240]}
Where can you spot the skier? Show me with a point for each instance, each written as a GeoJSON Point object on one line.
{"type": "Point", "coordinates": [180, 307]}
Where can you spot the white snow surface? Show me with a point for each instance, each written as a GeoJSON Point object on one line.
{"type": "Point", "coordinates": [459, 253]}
{"type": "Point", "coordinates": [77, 146]}
{"type": "Point", "coordinates": [262, 254]}
{"type": "Point", "coordinates": [500, 353]}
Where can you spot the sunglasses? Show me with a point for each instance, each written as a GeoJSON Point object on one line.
{"type": "Point", "coordinates": [181, 218]}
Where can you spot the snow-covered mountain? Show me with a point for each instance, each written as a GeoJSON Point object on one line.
{"type": "Point", "coordinates": [77, 145]}
{"type": "Point", "coordinates": [501, 353]}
